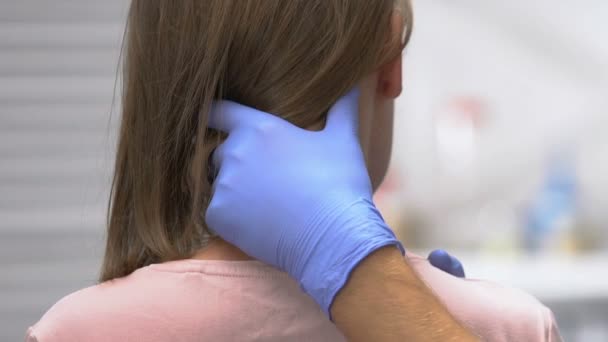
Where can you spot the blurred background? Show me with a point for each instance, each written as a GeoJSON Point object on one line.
{"type": "Point", "coordinates": [500, 156]}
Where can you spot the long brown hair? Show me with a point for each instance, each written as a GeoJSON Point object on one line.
{"type": "Point", "coordinates": [293, 58]}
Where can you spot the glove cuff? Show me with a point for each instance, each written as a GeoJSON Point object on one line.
{"type": "Point", "coordinates": [345, 236]}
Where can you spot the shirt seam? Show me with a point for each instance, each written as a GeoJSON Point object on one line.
{"type": "Point", "coordinates": [259, 273]}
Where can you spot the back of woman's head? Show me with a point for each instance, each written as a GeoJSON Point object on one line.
{"type": "Point", "coordinates": [293, 58]}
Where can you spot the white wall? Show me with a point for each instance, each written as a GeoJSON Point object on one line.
{"type": "Point", "coordinates": [540, 69]}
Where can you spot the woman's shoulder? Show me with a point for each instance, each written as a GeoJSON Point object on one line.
{"type": "Point", "coordinates": [80, 313]}
{"type": "Point", "coordinates": [64, 320]}
{"type": "Point", "coordinates": [208, 300]}
{"type": "Point", "coordinates": [113, 310]}
{"type": "Point", "coordinates": [493, 311]}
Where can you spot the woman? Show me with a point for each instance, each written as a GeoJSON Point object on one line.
{"type": "Point", "coordinates": [165, 276]}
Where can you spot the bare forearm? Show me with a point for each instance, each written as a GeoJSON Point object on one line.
{"type": "Point", "coordinates": [384, 300]}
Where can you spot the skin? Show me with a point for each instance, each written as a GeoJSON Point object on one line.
{"type": "Point", "coordinates": [384, 300]}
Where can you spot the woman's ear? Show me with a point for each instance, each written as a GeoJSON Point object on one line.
{"type": "Point", "coordinates": [390, 78]}
{"type": "Point", "coordinates": [390, 74]}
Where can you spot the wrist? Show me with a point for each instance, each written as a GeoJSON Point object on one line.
{"type": "Point", "coordinates": [384, 292]}
{"type": "Point", "coordinates": [339, 237]}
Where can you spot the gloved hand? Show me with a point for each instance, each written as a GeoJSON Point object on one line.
{"type": "Point", "coordinates": [296, 199]}
{"type": "Point", "coordinates": [446, 262]}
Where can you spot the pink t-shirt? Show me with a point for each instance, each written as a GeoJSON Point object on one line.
{"type": "Point", "coordinates": [195, 300]}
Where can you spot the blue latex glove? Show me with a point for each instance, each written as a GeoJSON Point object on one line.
{"type": "Point", "coordinates": [446, 262]}
{"type": "Point", "coordinates": [296, 199]}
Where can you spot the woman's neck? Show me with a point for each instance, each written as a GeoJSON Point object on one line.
{"type": "Point", "coordinates": [218, 249]}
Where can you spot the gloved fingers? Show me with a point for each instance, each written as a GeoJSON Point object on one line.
{"type": "Point", "coordinates": [457, 268]}
{"type": "Point", "coordinates": [232, 147]}
{"type": "Point", "coordinates": [441, 259]}
{"type": "Point", "coordinates": [447, 263]}
{"type": "Point", "coordinates": [344, 115]}
{"type": "Point", "coordinates": [227, 116]}
{"type": "Point", "coordinates": [214, 212]}
{"type": "Point", "coordinates": [217, 209]}
{"type": "Point", "coordinates": [219, 154]}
